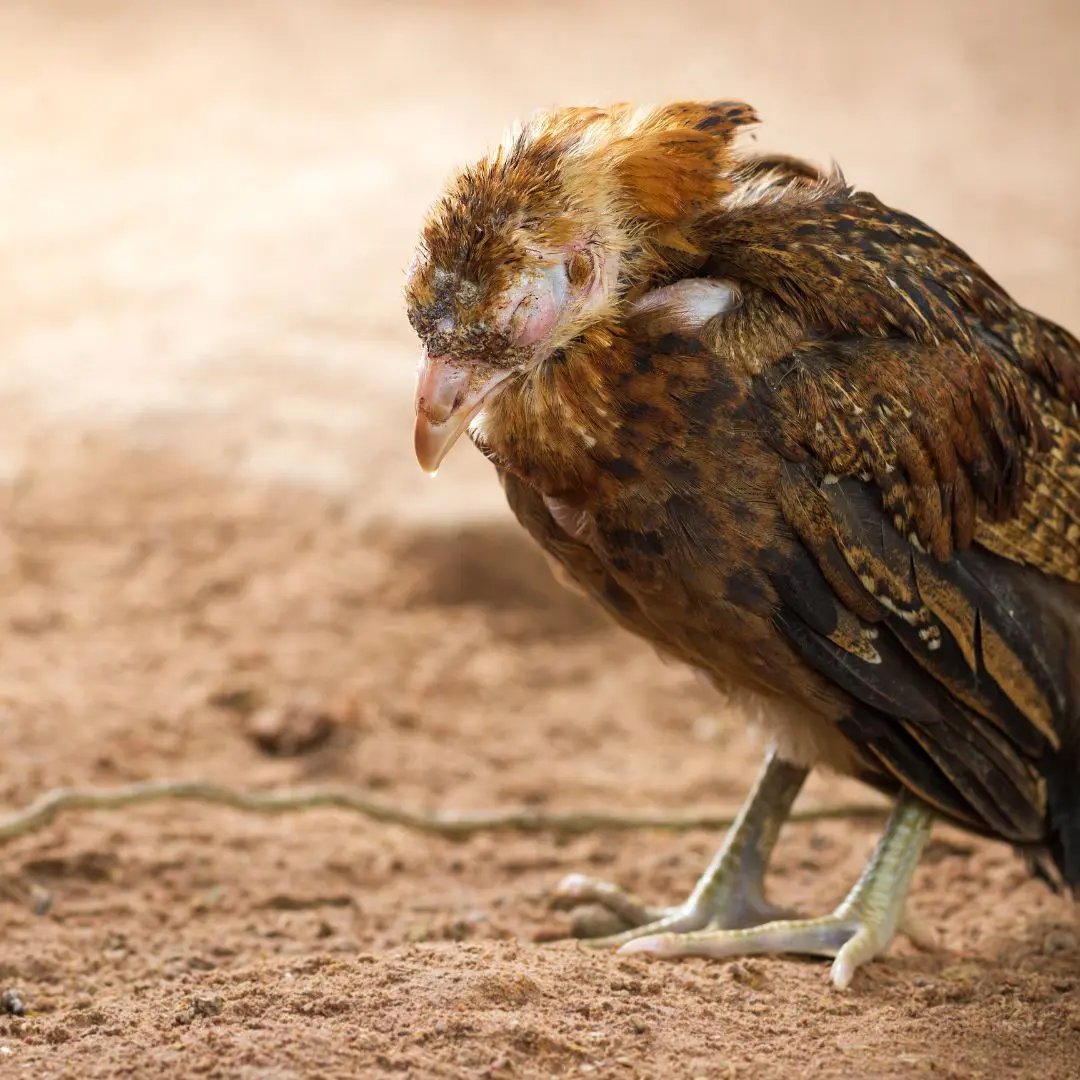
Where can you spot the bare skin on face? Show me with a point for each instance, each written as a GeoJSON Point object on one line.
{"type": "Point", "coordinates": [540, 312]}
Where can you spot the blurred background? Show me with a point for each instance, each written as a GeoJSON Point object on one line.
{"type": "Point", "coordinates": [208, 208]}
{"type": "Point", "coordinates": [218, 557]}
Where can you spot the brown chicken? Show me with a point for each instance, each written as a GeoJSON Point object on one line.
{"type": "Point", "coordinates": [798, 440]}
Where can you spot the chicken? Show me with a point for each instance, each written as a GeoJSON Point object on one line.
{"type": "Point", "coordinates": [799, 441]}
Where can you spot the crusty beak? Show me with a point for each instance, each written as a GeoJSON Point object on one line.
{"type": "Point", "coordinates": [448, 395]}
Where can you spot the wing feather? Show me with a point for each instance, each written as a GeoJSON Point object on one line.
{"type": "Point", "coordinates": [931, 472]}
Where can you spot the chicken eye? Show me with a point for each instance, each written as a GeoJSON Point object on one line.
{"type": "Point", "coordinates": [579, 269]}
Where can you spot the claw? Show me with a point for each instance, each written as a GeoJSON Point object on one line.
{"type": "Point", "coordinates": [858, 950]}
{"type": "Point", "coordinates": [575, 889]}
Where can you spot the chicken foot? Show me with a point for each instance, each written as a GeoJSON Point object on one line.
{"type": "Point", "coordinates": [731, 892]}
{"type": "Point", "coordinates": [860, 929]}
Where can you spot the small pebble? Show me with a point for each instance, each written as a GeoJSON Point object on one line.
{"type": "Point", "coordinates": [291, 731]}
{"type": "Point", "coordinates": [1059, 940]}
{"type": "Point", "coordinates": [206, 1005]}
{"type": "Point", "coordinates": [12, 1004]}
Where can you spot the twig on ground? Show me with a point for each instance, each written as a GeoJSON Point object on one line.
{"type": "Point", "coordinates": [45, 809]}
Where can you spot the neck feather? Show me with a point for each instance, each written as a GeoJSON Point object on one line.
{"type": "Point", "coordinates": [556, 424]}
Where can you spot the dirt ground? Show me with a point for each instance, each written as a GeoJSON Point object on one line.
{"type": "Point", "coordinates": [218, 559]}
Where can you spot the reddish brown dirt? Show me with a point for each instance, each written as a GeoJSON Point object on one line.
{"type": "Point", "coordinates": [218, 561]}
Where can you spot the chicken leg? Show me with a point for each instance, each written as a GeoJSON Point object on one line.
{"type": "Point", "coordinates": [730, 895]}
{"type": "Point", "coordinates": [860, 929]}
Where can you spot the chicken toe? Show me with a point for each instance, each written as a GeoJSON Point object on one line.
{"type": "Point", "coordinates": [729, 895]}
{"type": "Point", "coordinates": [860, 929]}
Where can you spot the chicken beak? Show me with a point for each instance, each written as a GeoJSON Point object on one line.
{"type": "Point", "coordinates": [448, 395]}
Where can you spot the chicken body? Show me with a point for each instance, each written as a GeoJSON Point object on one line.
{"type": "Point", "coordinates": [797, 440]}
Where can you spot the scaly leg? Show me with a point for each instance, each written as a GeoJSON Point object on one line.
{"type": "Point", "coordinates": [860, 929]}
{"type": "Point", "coordinates": [731, 892]}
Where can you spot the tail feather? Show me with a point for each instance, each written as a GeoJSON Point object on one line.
{"type": "Point", "coordinates": [1060, 767]}
{"type": "Point", "coordinates": [1062, 774]}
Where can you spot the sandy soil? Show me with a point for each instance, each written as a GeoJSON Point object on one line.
{"type": "Point", "coordinates": [217, 558]}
